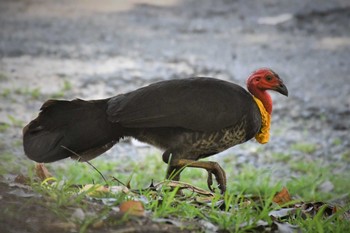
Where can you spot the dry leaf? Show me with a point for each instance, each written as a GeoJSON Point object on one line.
{"type": "Point", "coordinates": [204, 200]}
{"type": "Point", "coordinates": [98, 224]}
{"type": "Point", "coordinates": [61, 226]}
{"type": "Point", "coordinates": [181, 186]}
{"type": "Point", "coordinates": [21, 179]}
{"type": "Point", "coordinates": [118, 189]}
{"type": "Point", "coordinates": [95, 190]}
{"type": "Point", "coordinates": [284, 212]}
{"type": "Point", "coordinates": [282, 197]}
{"type": "Point", "coordinates": [22, 193]}
{"type": "Point", "coordinates": [42, 172]}
{"type": "Point", "coordinates": [174, 222]}
{"type": "Point", "coordinates": [285, 227]}
{"type": "Point", "coordinates": [208, 226]}
{"type": "Point", "coordinates": [275, 20]}
{"type": "Point", "coordinates": [132, 207]}
{"type": "Point", "coordinates": [313, 208]}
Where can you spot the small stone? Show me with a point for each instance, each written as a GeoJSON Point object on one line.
{"type": "Point", "coordinates": [78, 214]}
{"type": "Point", "coordinates": [326, 187]}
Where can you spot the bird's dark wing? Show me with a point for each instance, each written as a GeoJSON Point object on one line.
{"type": "Point", "coordinates": [203, 104]}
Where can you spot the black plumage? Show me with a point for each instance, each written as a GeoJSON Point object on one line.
{"type": "Point", "coordinates": [188, 118]}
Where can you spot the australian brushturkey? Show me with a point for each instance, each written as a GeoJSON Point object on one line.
{"type": "Point", "coordinates": [189, 119]}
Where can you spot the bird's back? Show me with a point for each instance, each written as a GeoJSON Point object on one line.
{"type": "Point", "coordinates": [201, 104]}
{"type": "Point", "coordinates": [201, 116]}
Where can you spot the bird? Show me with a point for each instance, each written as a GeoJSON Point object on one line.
{"type": "Point", "coordinates": [188, 119]}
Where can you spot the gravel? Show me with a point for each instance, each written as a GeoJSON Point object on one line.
{"type": "Point", "coordinates": [105, 49]}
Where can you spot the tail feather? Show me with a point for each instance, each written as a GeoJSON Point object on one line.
{"type": "Point", "coordinates": [78, 129]}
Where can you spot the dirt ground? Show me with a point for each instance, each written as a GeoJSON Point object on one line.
{"type": "Point", "coordinates": [92, 49]}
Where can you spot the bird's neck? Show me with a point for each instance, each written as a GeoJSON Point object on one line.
{"type": "Point", "coordinates": [264, 97]}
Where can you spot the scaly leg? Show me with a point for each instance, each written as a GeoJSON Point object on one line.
{"type": "Point", "coordinates": [173, 172]}
{"type": "Point", "coordinates": [175, 167]}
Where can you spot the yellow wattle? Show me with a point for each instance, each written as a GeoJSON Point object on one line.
{"type": "Point", "coordinates": [263, 135]}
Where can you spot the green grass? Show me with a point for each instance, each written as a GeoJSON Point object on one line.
{"type": "Point", "coordinates": [15, 122]}
{"type": "Point", "coordinates": [346, 156]}
{"type": "Point", "coordinates": [34, 93]}
{"type": "Point", "coordinates": [304, 147]}
{"type": "Point", "coordinates": [6, 92]}
{"type": "Point", "coordinates": [10, 164]}
{"type": "Point", "coordinates": [246, 203]}
{"type": "Point", "coordinates": [4, 127]}
{"type": "Point", "coordinates": [3, 77]}
{"type": "Point", "coordinates": [66, 87]}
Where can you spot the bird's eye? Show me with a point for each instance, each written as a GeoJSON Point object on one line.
{"type": "Point", "coordinates": [269, 78]}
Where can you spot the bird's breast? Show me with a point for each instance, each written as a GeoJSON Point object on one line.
{"type": "Point", "coordinates": [195, 144]}
{"type": "Point", "coordinates": [215, 142]}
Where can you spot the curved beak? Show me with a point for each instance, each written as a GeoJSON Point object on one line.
{"type": "Point", "coordinates": [281, 88]}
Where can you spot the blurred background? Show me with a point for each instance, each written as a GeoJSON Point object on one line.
{"type": "Point", "coordinates": [95, 49]}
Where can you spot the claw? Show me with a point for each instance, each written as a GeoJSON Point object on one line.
{"type": "Point", "coordinates": [210, 181]}
{"type": "Point", "coordinates": [222, 188]}
{"type": "Point", "coordinates": [212, 168]}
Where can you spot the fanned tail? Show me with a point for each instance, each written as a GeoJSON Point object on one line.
{"type": "Point", "coordinates": [78, 129]}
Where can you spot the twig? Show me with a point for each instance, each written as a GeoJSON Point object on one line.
{"type": "Point", "coordinates": [114, 178]}
{"type": "Point", "coordinates": [80, 160]}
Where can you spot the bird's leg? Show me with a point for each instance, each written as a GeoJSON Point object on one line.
{"type": "Point", "coordinates": [211, 167]}
{"type": "Point", "coordinates": [173, 173]}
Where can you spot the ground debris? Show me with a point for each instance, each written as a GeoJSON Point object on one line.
{"type": "Point", "coordinates": [42, 172]}
{"type": "Point", "coordinates": [282, 197]}
{"type": "Point", "coordinates": [132, 207]}
{"type": "Point", "coordinates": [124, 209]}
{"type": "Point", "coordinates": [284, 227]}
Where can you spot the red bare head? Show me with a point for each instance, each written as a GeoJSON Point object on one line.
{"type": "Point", "coordinates": [265, 79]}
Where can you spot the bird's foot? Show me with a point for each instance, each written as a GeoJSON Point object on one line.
{"type": "Point", "coordinates": [220, 177]}
{"type": "Point", "coordinates": [211, 167]}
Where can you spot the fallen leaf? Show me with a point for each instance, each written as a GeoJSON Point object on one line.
{"type": "Point", "coordinates": [118, 189]}
{"type": "Point", "coordinates": [109, 201]}
{"type": "Point", "coordinates": [181, 186]}
{"type": "Point", "coordinates": [132, 207]}
{"type": "Point", "coordinates": [204, 199]}
{"type": "Point", "coordinates": [285, 227]}
{"type": "Point", "coordinates": [313, 208]}
{"type": "Point", "coordinates": [95, 190]}
{"type": "Point", "coordinates": [21, 179]}
{"type": "Point", "coordinates": [259, 223]}
{"type": "Point", "coordinates": [62, 226]}
{"type": "Point", "coordinates": [98, 224]}
{"type": "Point", "coordinates": [275, 20]}
{"type": "Point", "coordinates": [21, 193]}
{"type": "Point", "coordinates": [282, 212]}
{"type": "Point", "coordinates": [42, 172]}
{"type": "Point", "coordinates": [282, 197]}
{"type": "Point", "coordinates": [208, 226]}
{"type": "Point", "coordinates": [169, 221]}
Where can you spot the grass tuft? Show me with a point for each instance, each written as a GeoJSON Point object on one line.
{"type": "Point", "coordinates": [245, 207]}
